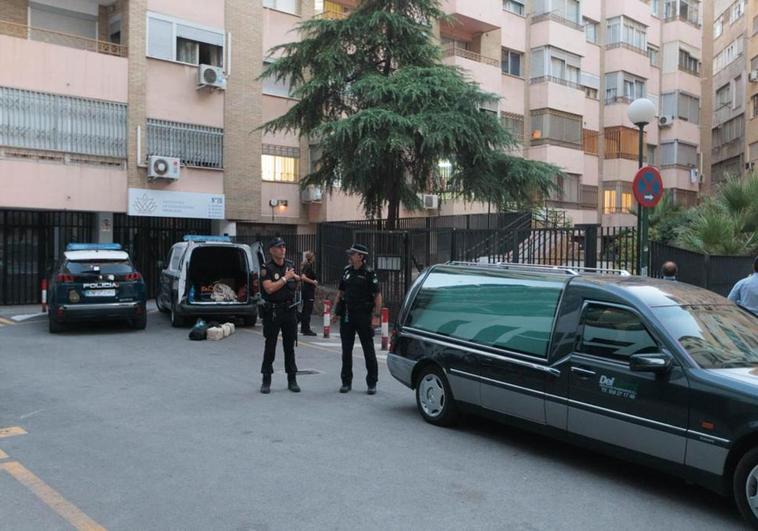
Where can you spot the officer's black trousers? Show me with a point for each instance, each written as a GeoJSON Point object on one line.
{"type": "Point", "coordinates": [358, 323]}
{"type": "Point", "coordinates": [274, 321]}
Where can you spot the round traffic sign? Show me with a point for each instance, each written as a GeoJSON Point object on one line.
{"type": "Point", "coordinates": [648, 186]}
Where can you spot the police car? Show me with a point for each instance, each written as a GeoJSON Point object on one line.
{"type": "Point", "coordinates": [96, 282]}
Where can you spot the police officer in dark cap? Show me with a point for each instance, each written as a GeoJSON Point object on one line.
{"type": "Point", "coordinates": [279, 313]}
{"type": "Point", "coordinates": [358, 299]}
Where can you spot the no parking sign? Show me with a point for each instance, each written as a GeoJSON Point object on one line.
{"type": "Point", "coordinates": [648, 186]}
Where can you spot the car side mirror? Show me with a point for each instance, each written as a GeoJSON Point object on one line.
{"type": "Point", "coordinates": [658, 362]}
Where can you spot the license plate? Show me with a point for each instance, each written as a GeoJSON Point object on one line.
{"type": "Point", "coordinates": [100, 293]}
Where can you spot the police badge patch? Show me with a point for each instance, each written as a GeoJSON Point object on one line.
{"type": "Point", "coordinates": [276, 276]}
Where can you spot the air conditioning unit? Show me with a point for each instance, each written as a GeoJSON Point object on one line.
{"type": "Point", "coordinates": [431, 201]}
{"type": "Point", "coordinates": [665, 120]}
{"type": "Point", "coordinates": [211, 76]}
{"type": "Point", "coordinates": [753, 76]}
{"type": "Point", "coordinates": [311, 194]}
{"type": "Point", "coordinates": [163, 168]}
{"type": "Point", "coordinates": [694, 176]}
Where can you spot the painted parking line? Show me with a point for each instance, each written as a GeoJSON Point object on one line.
{"type": "Point", "coordinates": [11, 432]}
{"type": "Point", "coordinates": [3, 455]}
{"type": "Point", "coordinates": [323, 345]}
{"type": "Point", "coordinates": [50, 497]}
{"type": "Point", "coordinates": [4, 321]}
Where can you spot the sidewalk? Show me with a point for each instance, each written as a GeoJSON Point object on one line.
{"type": "Point", "coordinates": [22, 312]}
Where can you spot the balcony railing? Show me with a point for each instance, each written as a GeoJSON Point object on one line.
{"type": "Point", "coordinates": [688, 70]}
{"type": "Point", "coordinates": [622, 143]}
{"type": "Point", "coordinates": [557, 18]}
{"type": "Point", "coordinates": [63, 39]}
{"type": "Point", "coordinates": [450, 51]}
{"type": "Point", "coordinates": [332, 14]}
{"type": "Point", "coordinates": [553, 79]}
{"type": "Point", "coordinates": [674, 18]}
{"type": "Point", "coordinates": [627, 46]}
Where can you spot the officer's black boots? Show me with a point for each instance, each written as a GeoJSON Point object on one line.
{"type": "Point", "coordinates": [266, 385]}
{"type": "Point", "coordinates": [292, 383]}
{"type": "Point", "coordinates": [345, 388]}
{"type": "Point", "coordinates": [371, 390]}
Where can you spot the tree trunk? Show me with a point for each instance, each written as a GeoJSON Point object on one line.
{"type": "Point", "coordinates": [393, 207]}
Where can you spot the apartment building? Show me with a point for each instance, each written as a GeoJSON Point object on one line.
{"type": "Point", "coordinates": [731, 81]}
{"type": "Point", "coordinates": [137, 111]}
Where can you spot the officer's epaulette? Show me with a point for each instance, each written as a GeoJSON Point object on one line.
{"type": "Point", "coordinates": [348, 266]}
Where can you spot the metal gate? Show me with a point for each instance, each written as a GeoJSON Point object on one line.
{"type": "Point", "coordinates": [30, 243]}
{"type": "Point", "coordinates": [149, 240]}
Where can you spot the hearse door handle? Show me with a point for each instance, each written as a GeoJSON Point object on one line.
{"type": "Point", "coordinates": [582, 373]}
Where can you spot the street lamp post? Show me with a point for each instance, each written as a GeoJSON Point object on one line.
{"type": "Point", "coordinates": [641, 112]}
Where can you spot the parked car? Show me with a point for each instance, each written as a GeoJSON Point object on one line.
{"type": "Point", "coordinates": [659, 372]}
{"type": "Point", "coordinates": [211, 277]}
{"type": "Point", "coordinates": [95, 282]}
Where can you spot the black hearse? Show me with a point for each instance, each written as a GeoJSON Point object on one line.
{"type": "Point", "coordinates": [656, 371]}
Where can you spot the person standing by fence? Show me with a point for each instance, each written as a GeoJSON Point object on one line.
{"type": "Point", "coordinates": [310, 282]}
{"type": "Point", "coordinates": [745, 292]}
{"type": "Point", "coordinates": [669, 270]}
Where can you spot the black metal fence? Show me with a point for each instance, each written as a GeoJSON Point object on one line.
{"type": "Point", "coordinates": [30, 242]}
{"type": "Point", "coordinates": [149, 241]}
{"type": "Point", "coordinates": [716, 273]}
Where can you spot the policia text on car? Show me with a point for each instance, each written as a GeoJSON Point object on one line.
{"type": "Point", "coordinates": [279, 313]}
{"type": "Point", "coordinates": [358, 295]}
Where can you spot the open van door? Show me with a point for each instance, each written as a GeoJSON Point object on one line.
{"type": "Point", "coordinates": [181, 285]}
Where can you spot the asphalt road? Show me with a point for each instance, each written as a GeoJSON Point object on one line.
{"type": "Point", "coordinates": [148, 430]}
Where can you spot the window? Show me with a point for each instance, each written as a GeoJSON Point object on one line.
{"type": "Point", "coordinates": [650, 158]}
{"type": "Point", "coordinates": [689, 10]}
{"type": "Point", "coordinates": [688, 63]}
{"type": "Point", "coordinates": [726, 56]}
{"type": "Point", "coordinates": [678, 154]}
{"type": "Point", "coordinates": [514, 7]}
{"type": "Point", "coordinates": [272, 87]}
{"type": "Point", "coordinates": [754, 102]}
{"type": "Point", "coordinates": [609, 201]}
{"type": "Point", "coordinates": [724, 96]}
{"type": "Point", "coordinates": [614, 333]}
{"type": "Point", "coordinates": [511, 62]}
{"type": "Point", "coordinates": [718, 28]}
{"type": "Point", "coordinates": [194, 145]}
{"type": "Point", "coordinates": [739, 92]}
{"type": "Point", "coordinates": [568, 188]}
{"type": "Point", "coordinates": [623, 30]}
{"type": "Point", "coordinates": [755, 25]}
{"type": "Point", "coordinates": [626, 202]}
{"type": "Point", "coordinates": [514, 123]}
{"type": "Point", "coordinates": [287, 6]}
{"type": "Point", "coordinates": [556, 65]}
{"type": "Point", "coordinates": [624, 87]}
{"type": "Point", "coordinates": [279, 168]}
{"type": "Point", "coordinates": [556, 127]}
{"type": "Point", "coordinates": [681, 105]}
{"type": "Point", "coordinates": [487, 309]}
{"type": "Point", "coordinates": [175, 40]}
{"type": "Point", "coordinates": [590, 31]}
{"type": "Point", "coordinates": [590, 92]}
{"type": "Point", "coordinates": [738, 9]}
{"type": "Point", "coordinates": [729, 131]}
{"type": "Point", "coordinates": [652, 53]}
{"type": "Point", "coordinates": [655, 8]}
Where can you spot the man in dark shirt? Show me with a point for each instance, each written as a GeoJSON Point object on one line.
{"type": "Point", "coordinates": [358, 298]}
{"type": "Point", "coordinates": [279, 313]}
{"type": "Point", "coordinates": [308, 290]}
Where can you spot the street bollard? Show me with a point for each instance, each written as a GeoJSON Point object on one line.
{"type": "Point", "coordinates": [385, 328]}
{"type": "Point", "coordinates": [43, 289]}
{"type": "Point", "coordinates": [327, 317]}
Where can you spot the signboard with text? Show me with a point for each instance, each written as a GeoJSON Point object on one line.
{"type": "Point", "coordinates": [165, 204]}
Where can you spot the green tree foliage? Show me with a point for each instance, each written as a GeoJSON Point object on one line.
{"type": "Point", "coordinates": [384, 111]}
{"type": "Point", "coordinates": [725, 223]}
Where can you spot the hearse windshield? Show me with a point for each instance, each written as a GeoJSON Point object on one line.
{"type": "Point", "coordinates": [716, 336]}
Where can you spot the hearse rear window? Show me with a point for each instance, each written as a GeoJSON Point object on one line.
{"type": "Point", "coordinates": [514, 313]}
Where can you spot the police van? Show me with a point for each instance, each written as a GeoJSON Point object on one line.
{"type": "Point", "coordinates": [211, 277]}
{"type": "Point", "coordinates": [96, 282]}
{"type": "Point", "coordinates": [659, 372]}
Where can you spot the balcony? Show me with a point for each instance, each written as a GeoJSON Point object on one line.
{"type": "Point", "coordinates": [557, 18]}
{"type": "Point", "coordinates": [454, 51]}
{"type": "Point", "coordinates": [590, 142]}
{"type": "Point", "coordinates": [61, 39]}
{"type": "Point", "coordinates": [471, 16]}
{"type": "Point", "coordinates": [622, 143]}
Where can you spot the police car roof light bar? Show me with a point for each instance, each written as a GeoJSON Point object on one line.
{"type": "Point", "coordinates": [94, 247]}
{"type": "Point", "coordinates": [202, 238]}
